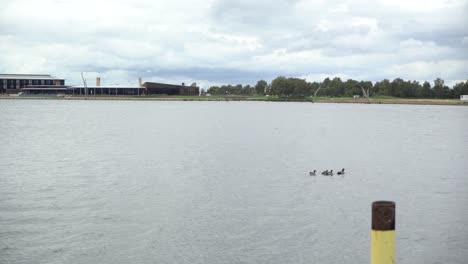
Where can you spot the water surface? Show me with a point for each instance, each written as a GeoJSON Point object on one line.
{"type": "Point", "coordinates": [227, 182]}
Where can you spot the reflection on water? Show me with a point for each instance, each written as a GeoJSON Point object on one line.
{"type": "Point", "coordinates": [228, 182]}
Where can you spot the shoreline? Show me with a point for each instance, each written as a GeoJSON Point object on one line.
{"type": "Point", "coordinates": [240, 98]}
{"type": "Point", "coordinates": [396, 101]}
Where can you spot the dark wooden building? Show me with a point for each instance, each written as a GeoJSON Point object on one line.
{"type": "Point", "coordinates": [14, 83]}
{"type": "Point", "coordinates": [170, 89]}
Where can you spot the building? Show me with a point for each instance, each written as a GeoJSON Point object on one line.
{"type": "Point", "coordinates": [170, 89]}
{"type": "Point", "coordinates": [464, 97]}
{"type": "Point", "coordinates": [47, 84]}
{"type": "Point", "coordinates": [14, 83]}
{"type": "Point", "coordinates": [106, 90]}
{"type": "Point", "coordinates": [147, 88]}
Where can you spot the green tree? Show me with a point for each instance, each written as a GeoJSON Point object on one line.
{"type": "Point", "coordinates": [460, 89]}
{"type": "Point", "coordinates": [261, 87]}
{"type": "Point", "coordinates": [278, 86]}
{"type": "Point", "coordinates": [290, 87]}
{"type": "Point", "coordinates": [213, 90]}
{"type": "Point", "coordinates": [248, 90]}
{"type": "Point", "coordinates": [300, 87]}
{"type": "Point", "coordinates": [425, 91]}
{"type": "Point", "coordinates": [333, 87]}
{"type": "Point", "coordinates": [352, 88]}
{"type": "Point", "coordinates": [440, 89]}
{"type": "Point", "coordinates": [382, 88]}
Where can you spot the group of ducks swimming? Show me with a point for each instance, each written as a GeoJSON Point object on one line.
{"type": "Point", "coordinates": [327, 172]}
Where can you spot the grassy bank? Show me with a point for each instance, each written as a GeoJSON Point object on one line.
{"type": "Point", "coordinates": [391, 100]}
{"type": "Point", "coordinates": [372, 100]}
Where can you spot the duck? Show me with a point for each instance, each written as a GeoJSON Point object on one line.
{"type": "Point", "coordinates": [341, 172]}
{"type": "Point", "coordinates": [325, 172]}
{"type": "Point", "coordinates": [330, 173]}
{"type": "Point", "coordinates": [312, 173]}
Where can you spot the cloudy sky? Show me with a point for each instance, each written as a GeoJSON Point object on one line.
{"type": "Point", "coordinates": [235, 41]}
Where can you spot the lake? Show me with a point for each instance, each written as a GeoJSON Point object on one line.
{"type": "Point", "coordinates": [228, 182]}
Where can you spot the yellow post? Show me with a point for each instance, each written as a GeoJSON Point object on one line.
{"type": "Point", "coordinates": [383, 233]}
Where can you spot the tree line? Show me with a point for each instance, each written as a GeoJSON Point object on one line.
{"type": "Point", "coordinates": [300, 88]}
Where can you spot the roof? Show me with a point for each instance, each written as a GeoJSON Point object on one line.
{"type": "Point", "coordinates": [47, 86]}
{"type": "Point", "coordinates": [165, 85]}
{"type": "Point", "coordinates": [28, 76]}
{"type": "Point", "coordinates": [109, 87]}
{"type": "Point", "coordinates": [45, 89]}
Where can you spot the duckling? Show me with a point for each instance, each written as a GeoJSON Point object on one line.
{"type": "Point", "coordinates": [325, 172]}
{"type": "Point", "coordinates": [341, 172]}
{"type": "Point", "coordinates": [312, 173]}
{"type": "Point", "coordinates": [331, 173]}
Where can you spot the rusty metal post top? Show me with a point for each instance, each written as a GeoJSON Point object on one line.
{"type": "Point", "coordinates": [383, 215]}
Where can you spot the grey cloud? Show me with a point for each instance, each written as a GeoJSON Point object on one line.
{"type": "Point", "coordinates": [236, 41]}
{"type": "Point", "coordinates": [215, 75]}
{"type": "Point", "coordinates": [247, 12]}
